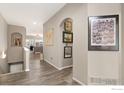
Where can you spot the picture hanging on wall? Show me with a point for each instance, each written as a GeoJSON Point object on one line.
{"type": "Point", "coordinates": [67, 37]}
{"type": "Point", "coordinates": [103, 33]}
{"type": "Point", "coordinates": [49, 37]}
{"type": "Point", "coordinates": [68, 25]}
{"type": "Point", "coordinates": [68, 52]}
{"type": "Point", "coordinates": [16, 40]}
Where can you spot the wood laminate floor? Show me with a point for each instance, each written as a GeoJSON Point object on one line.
{"type": "Point", "coordinates": [41, 73]}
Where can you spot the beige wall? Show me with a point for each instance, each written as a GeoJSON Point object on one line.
{"type": "Point", "coordinates": [3, 45]}
{"type": "Point", "coordinates": [15, 54]}
{"type": "Point", "coordinates": [53, 54]}
{"type": "Point", "coordinates": [80, 45]}
{"type": "Point", "coordinates": [87, 65]}
{"type": "Point", "coordinates": [65, 61]}
{"type": "Point", "coordinates": [122, 45]}
{"type": "Point", "coordinates": [104, 64]}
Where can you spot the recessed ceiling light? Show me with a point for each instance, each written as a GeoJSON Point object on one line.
{"type": "Point", "coordinates": [34, 23]}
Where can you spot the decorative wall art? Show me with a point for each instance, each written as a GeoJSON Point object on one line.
{"type": "Point", "coordinates": [16, 40]}
{"type": "Point", "coordinates": [49, 37]}
{"type": "Point", "coordinates": [68, 52]}
{"type": "Point", "coordinates": [103, 34]}
{"type": "Point", "coordinates": [68, 25]}
{"type": "Point", "coordinates": [67, 37]}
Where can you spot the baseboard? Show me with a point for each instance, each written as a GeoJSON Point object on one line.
{"type": "Point", "coordinates": [56, 66]}
{"type": "Point", "coordinates": [11, 73]}
{"type": "Point", "coordinates": [66, 67]}
{"type": "Point", "coordinates": [52, 64]}
{"type": "Point", "coordinates": [81, 83]}
{"type": "Point", "coordinates": [27, 70]}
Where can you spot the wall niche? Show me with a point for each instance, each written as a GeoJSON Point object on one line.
{"type": "Point", "coordinates": [66, 28]}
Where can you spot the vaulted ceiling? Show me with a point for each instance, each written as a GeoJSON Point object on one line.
{"type": "Point", "coordinates": [30, 15]}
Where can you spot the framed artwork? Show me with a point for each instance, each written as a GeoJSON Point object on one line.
{"type": "Point", "coordinates": [16, 40]}
{"type": "Point", "coordinates": [68, 25]}
{"type": "Point", "coordinates": [67, 37]}
{"type": "Point", "coordinates": [49, 38]}
{"type": "Point", "coordinates": [68, 52]}
{"type": "Point", "coordinates": [103, 33]}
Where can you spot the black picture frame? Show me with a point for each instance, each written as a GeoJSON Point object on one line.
{"type": "Point", "coordinates": [67, 37]}
{"type": "Point", "coordinates": [67, 51]}
{"type": "Point", "coordinates": [100, 29]}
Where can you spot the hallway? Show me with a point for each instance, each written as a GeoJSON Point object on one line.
{"type": "Point", "coordinates": [89, 43]}
{"type": "Point", "coordinates": [41, 73]}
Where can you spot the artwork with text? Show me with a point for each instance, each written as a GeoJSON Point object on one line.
{"type": "Point", "coordinates": [103, 32]}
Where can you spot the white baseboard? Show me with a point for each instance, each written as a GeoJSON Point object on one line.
{"type": "Point", "coordinates": [52, 64]}
{"type": "Point", "coordinates": [27, 70]}
{"type": "Point", "coordinates": [78, 81]}
{"type": "Point", "coordinates": [66, 67]}
{"type": "Point", "coordinates": [56, 66]}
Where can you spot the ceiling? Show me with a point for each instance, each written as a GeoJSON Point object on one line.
{"type": "Point", "coordinates": [30, 15]}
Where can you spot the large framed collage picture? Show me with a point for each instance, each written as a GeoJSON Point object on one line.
{"type": "Point", "coordinates": [103, 33]}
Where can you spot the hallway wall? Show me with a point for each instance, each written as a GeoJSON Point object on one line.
{"type": "Point", "coordinates": [104, 65]}
{"type": "Point", "coordinates": [89, 67]}
{"type": "Point", "coordinates": [65, 61]}
{"type": "Point", "coordinates": [3, 45]}
{"type": "Point", "coordinates": [53, 53]}
{"type": "Point", "coordinates": [122, 45]}
{"type": "Point", "coordinates": [15, 54]}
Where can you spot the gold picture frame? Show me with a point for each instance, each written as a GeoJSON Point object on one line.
{"type": "Point", "coordinates": [49, 37]}
{"type": "Point", "coordinates": [68, 25]}
{"type": "Point", "coordinates": [16, 40]}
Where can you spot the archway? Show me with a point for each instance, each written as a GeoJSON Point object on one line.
{"type": "Point", "coordinates": [66, 28]}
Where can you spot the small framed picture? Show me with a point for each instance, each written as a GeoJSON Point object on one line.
{"type": "Point", "coordinates": [103, 33]}
{"type": "Point", "coordinates": [68, 25]}
{"type": "Point", "coordinates": [68, 52]}
{"type": "Point", "coordinates": [67, 37]}
{"type": "Point", "coordinates": [16, 40]}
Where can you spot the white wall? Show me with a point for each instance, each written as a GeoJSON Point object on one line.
{"type": "Point", "coordinates": [66, 62]}
{"type": "Point", "coordinates": [80, 45]}
{"type": "Point", "coordinates": [104, 64]}
{"type": "Point", "coordinates": [78, 13]}
{"type": "Point", "coordinates": [3, 45]}
{"type": "Point", "coordinates": [3, 34]}
{"type": "Point", "coordinates": [26, 59]}
{"type": "Point", "coordinates": [15, 54]}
